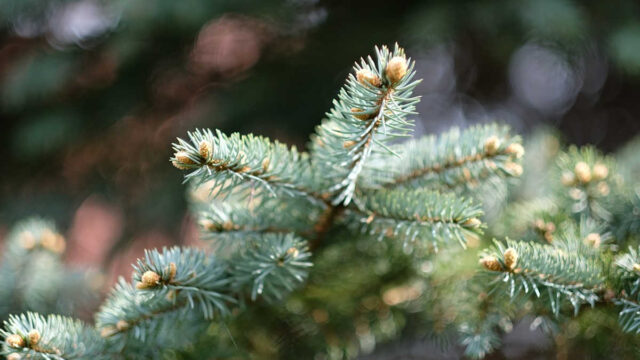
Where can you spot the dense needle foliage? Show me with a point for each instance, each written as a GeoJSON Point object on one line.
{"type": "Point", "coordinates": [287, 227]}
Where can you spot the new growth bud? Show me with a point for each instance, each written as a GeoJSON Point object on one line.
{"type": "Point", "coordinates": [490, 262]}
{"type": "Point", "coordinates": [600, 171]}
{"type": "Point", "coordinates": [205, 149]}
{"type": "Point", "coordinates": [52, 241]}
{"type": "Point", "coordinates": [491, 145]}
{"type": "Point", "coordinates": [122, 325]}
{"type": "Point", "coordinates": [513, 168]}
{"type": "Point", "coordinates": [182, 160]}
{"type": "Point", "coordinates": [34, 337]}
{"type": "Point", "coordinates": [15, 341]}
{"type": "Point", "coordinates": [583, 172]}
{"type": "Point", "coordinates": [568, 179]}
{"type": "Point", "coordinates": [593, 240]}
{"type": "Point", "coordinates": [172, 271]}
{"type": "Point", "coordinates": [183, 157]}
{"type": "Point", "coordinates": [603, 188]}
{"type": "Point", "coordinates": [148, 280]}
{"type": "Point", "coordinates": [366, 76]}
{"type": "Point", "coordinates": [510, 258]}
{"type": "Point", "coordinates": [208, 225]}
{"type": "Point", "coordinates": [293, 252]}
{"type": "Point", "coordinates": [396, 69]}
{"type": "Point", "coordinates": [27, 240]}
{"type": "Point", "coordinates": [516, 150]}
{"type": "Point", "coordinates": [472, 223]}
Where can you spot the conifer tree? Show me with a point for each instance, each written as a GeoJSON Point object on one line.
{"type": "Point", "coordinates": [382, 221]}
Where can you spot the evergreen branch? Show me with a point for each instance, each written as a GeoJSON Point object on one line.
{"type": "Point", "coordinates": [537, 217]}
{"type": "Point", "coordinates": [625, 209]}
{"type": "Point", "coordinates": [457, 158]}
{"type": "Point", "coordinates": [32, 274]}
{"type": "Point", "coordinates": [588, 180]}
{"type": "Point", "coordinates": [185, 276]}
{"type": "Point", "coordinates": [130, 311]}
{"type": "Point", "coordinates": [369, 113]}
{"type": "Point", "coordinates": [33, 336]}
{"type": "Point", "coordinates": [173, 332]}
{"type": "Point", "coordinates": [30, 250]}
{"type": "Point", "coordinates": [586, 237]}
{"type": "Point", "coordinates": [533, 269]}
{"type": "Point", "coordinates": [411, 214]}
{"type": "Point", "coordinates": [130, 318]}
{"type": "Point", "coordinates": [234, 161]}
{"type": "Point", "coordinates": [33, 235]}
{"type": "Point", "coordinates": [481, 339]}
{"type": "Point", "coordinates": [629, 315]}
{"type": "Point", "coordinates": [228, 223]}
{"type": "Point", "coordinates": [628, 279]}
{"type": "Point", "coordinates": [168, 281]}
{"type": "Point", "coordinates": [271, 265]}
{"type": "Point", "coordinates": [629, 264]}
{"type": "Point", "coordinates": [171, 283]}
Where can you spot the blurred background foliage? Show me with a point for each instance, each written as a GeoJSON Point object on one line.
{"type": "Point", "coordinates": [93, 92]}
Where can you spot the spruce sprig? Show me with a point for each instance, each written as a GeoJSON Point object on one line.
{"type": "Point", "coordinates": [412, 214]}
{"type": "Point", "coordinates": [544, 271]}
{"type": "Point", "coordinates": [457, 158]}
{"type": "Point", "coordinates": [271, 265]}
{"type": "Point", "coordinates": [228, 223]}
{"type": "Point", "coordinates": [230, 163]}
{"type": "Point", "coordinates": [33, 336]}
{"type": "Point", "coordinates": [185, 276]}
{"type": "Point", "coordinates": [370, 112]}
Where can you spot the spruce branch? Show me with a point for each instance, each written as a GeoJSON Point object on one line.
{"type": "Point", "coordinates": [629, 315]}
{"type": "Point", "coordinates": [416, 214]}
{"type": "Point", "coordinates": [128, 310]}
{"type": "Point", "coordinates": [32, 252]}
{"type": "Point", "coordinates": [33, 336]}
{"type": "Point", "coordinates": [588, 181]}
{"type": "Point", "coordinates": [625, 209]}
{"type": "Point", "coordinates": [235, 161]}
{"type": "Point", "coordinates": [629, 264]}
{"type": "Point", "coordinates": [33, 275]}
{"type": "Point", "coordinates": [457, 158]}
{"type": "Point", "coordinates": [228, 223]}
{"type": "Point", "coordinates": [548, 272]}
{"type": "Point", "coordinates": [138, 322]}
{"type": "Point", "coordinates": [628, 280]}
{"type": "Point", "coordinates": [587, 237]}
{"type": "Point", "coordinates": [185, 275]}
{"type": "Point", "coordinates": [481, 339]}
{"type": "Point", "coordinates": [33, 235]}
{"type": "Point", "coordinates": [368, 115]}
{"type": "Point", "coordinates": [535, 220]}
{"type": "Point", "coordinates": [174, 280]}
{"type": "Point", "coordinates": [177, 284]}
{"type": "Point", "coordinates": [271, 265]}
